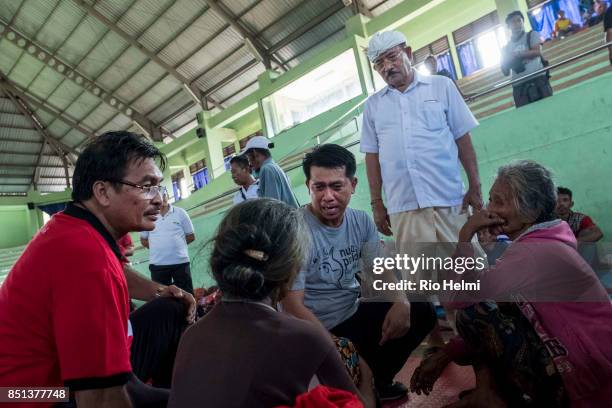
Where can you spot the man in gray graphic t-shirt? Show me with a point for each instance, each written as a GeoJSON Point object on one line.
{"type": "Point", "coordinates": [333, 263]}
{"type": "Point", "coordinates": [327, 291]}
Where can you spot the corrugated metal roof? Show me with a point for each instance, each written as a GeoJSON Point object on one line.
{"type": "Point", "coordinates": [33, 15]}
{"type": "Point", "coordinates": [9, 8]}
{"type": "Point", "coordinates": [217, 72]}
{"type": "Point", "coordinates": [317, 34]}
{"type": "Point", "coordinates": [30, 135]}
{"type": "Point", "coordinates": [46, 81]}
{"type": "Point", "coordinates": [212, 53]}
{"type": "Point", "coordinates": [181, 120]}
{"type": "Point", "coordinates": [267, 12]}
{"type": "Point", "coordinates": [99, 117]}
{"type": "Point", "coordinates": [158, 93]}
{"type": "Point", "coordinates": [170, 106]}
{"type": "Point", "coordinates": [14, 120]}
{"type": "Point", "coordinates": [238, 83]}
{"type": "Point", "coordinates": [59, 25]}
{"type": "Point", "coordinates": [148, 76]}
{"type": "Point", "coordinates": [107, 49]}
{"type": "Point", "coordinates": [120, 70]}
{"type": "Point", "coordinates": [82, 40]}
{"type": "Point", "coordinates": [185, 34]}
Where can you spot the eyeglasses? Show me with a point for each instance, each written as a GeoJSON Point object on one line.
{"type": "Point", "coordinates": [391, 57]}
{"type": "Point", "coordinates": [148, 192]}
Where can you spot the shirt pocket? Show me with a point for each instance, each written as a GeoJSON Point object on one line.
{"type": "Point", "coordinates": [432, 115]}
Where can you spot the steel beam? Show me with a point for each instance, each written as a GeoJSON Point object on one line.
{"type": "Point", "coordinates": [52, 111]}
{"type": "Point", "coordinates": [330, 11]}
{"type": "Point", "coordinates": [26, 111]}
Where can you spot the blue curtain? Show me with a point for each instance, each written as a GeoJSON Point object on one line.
{"type": "Point", "coordinates": [544, 21]}
{"type": "Point", "coordinates": [468, 58]}
{"type": "Point", "coordinates": [53, 208]}
{"type": "Point", "coordinates": [445, 61]}
{"type": "Point", "coordinates": [176, 189]}
{"type": "Point", "coordinates": [200, 178]}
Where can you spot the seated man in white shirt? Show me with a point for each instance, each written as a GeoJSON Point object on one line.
{"type": "Point", "coordinates": [241, 174]}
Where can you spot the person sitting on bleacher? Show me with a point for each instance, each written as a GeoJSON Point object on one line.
{"type": "Point", "coordinates": [523, 55]}
{"type": "Point", "coordinates": [563, 26]}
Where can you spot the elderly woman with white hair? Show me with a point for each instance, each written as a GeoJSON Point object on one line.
{"type": "Point", "coordinates": [544, 338]}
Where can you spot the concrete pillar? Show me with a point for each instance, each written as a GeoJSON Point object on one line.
{"type": "Point", "coordinates": [213, 150]}
{"type": "Point", "coordinates": [454, 55]}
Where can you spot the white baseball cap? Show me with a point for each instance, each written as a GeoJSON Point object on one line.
{"type": "Point", "coordinates": [383, 41]}
{"type": "Point", "coordinates": [258, 142]}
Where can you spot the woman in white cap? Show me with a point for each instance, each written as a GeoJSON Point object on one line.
{"type": "Point", "coordinates": [273, 182]}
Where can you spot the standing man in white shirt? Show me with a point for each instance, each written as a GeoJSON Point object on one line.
{"type": "Point", "coordinates": [241, 174]}
{"type": "Point", "coordinates": [415, 135]}
{"type": "Point", "coordinates": [167, 243]}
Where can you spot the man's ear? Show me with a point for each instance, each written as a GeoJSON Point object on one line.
{"type": "Point", "coordinates": [353, 184]}
{"type": "Point", "coordinates": [307, 186]}
{"type": "Point", "coordinates": [571, 204]}
{"type": "Point", "coordinates": [408, 51]}
{"type": "Point", "coordinates": [100, 190]}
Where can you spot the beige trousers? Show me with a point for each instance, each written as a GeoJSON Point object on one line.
{"type": "Point", "coordinates": [428, 232]}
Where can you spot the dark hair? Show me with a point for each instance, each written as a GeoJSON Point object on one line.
{"type": "Point", "coordinates": [564, 190]}
{"type": "Point", "coordinates": [514, 13]}
{"type": "Point", "coordinates": [241, 161]}
{"type": "Point", "coordinates": [330, 156]}
{"type": "Point", "coordinates": [264, 152]}
{"type": "Point", "coordinates": [266, 225]}
{"type": "Point", "coordinates": [107, 157]}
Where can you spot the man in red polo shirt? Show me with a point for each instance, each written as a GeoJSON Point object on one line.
{"type": "Point", "coordinates": [64, 305]}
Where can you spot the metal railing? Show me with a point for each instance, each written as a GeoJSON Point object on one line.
{"type": "Point", "coordinates": [504, 84]}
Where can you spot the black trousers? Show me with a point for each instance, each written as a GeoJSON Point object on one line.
{"type": "Point", "coordinates": [364, 329]}
{"type": "Point", "coordinates": [179, 275]}
{"type": "Point", "coordinates": [157, 326]}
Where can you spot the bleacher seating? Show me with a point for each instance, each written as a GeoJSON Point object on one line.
{"type": "Point", "coordinates": [8, 257]}
{"type": "Point", "coordinates": [554, 51]}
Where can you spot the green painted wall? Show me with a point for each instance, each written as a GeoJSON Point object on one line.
{"type": "Point", "coordinates": [570, 133]}
{"type": "Point", "coordinates": [246, 125]}
{"type": "Point", "coordinates": [443, 19]}
{"type": "Point", "coordinates": [18, 225]}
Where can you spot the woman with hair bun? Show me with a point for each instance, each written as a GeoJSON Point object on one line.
{"type": "Point", "coordinates": [244, 353]}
